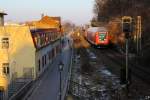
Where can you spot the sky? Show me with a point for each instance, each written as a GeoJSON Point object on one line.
{"type": "Point", "coordinates": [76, 11]}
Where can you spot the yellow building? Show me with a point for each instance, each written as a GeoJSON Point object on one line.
{"type": "Point", "coordinates": [25, 53]}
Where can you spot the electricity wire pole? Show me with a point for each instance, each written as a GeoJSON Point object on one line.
{"type": "Point", "coordinates": [127, 58]}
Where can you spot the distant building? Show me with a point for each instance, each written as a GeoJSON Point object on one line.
{"type": "Point", "coordinates": [26, 51]}
{"type": "Point", "coordinates": [46, 22]}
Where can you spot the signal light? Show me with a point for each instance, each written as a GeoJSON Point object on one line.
{"type": "Point", "coordinates": [127, 26]}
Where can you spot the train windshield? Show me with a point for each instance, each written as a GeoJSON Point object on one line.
{"type": "Point", "coordinates": [102, 36]}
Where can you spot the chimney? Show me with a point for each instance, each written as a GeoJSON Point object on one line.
{"type": "Point", "coordinates": [42, 15]}
{"type": "Point", "coordinates": [2, 18]}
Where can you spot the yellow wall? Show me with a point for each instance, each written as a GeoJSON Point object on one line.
{"type": "Point", "coordinates": [21, 52]}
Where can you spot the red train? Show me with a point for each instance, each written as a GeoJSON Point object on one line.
{"type": "Point", "coordinates": [97, 36]}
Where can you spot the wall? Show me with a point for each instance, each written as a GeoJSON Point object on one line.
{"type": "Point", "coordinates": [45, 51]}
{"type": "Point", "coordinates": [21, 52]}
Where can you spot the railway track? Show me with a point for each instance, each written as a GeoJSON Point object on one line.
{"type": "Point", "coordinates": [137, 71]}
{"type": "Point", "coordinates": [131, 62]}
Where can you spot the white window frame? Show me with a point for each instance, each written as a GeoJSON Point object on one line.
{"type": "Point", "coordinates": [5, 42]}
{"type": "Point", "coordinates": [5, 68]}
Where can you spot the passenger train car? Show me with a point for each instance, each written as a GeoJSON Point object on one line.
{"type": "Point", "coordinates": [97, 36]}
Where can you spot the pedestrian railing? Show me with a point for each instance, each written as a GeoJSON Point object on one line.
{"type": "Point", "coordinates": [21, 92]}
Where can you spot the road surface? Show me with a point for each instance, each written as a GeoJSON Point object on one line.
{"type": "Point", "coordinates": [47, 88]}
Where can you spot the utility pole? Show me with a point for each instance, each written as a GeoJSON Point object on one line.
{"type": "Point", "coordinates": [127, 58]}
{"type": "Point", "coordinates": [139, 31]}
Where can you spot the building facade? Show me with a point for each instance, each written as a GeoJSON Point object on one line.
{"type": "Point", "coordinates": [26, 53]}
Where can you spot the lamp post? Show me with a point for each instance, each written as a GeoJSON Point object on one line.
{"type": "Point", "coordinates": [61, 65]}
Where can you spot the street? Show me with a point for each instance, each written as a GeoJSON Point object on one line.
{"type": "Point", "coordinates": [47, 88]}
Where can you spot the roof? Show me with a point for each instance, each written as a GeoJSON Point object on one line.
{"type": "Point", "coordinates": [46, 22]}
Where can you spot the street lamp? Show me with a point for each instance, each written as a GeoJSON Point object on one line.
{"type": "Point", "coordinates": [61, 65]}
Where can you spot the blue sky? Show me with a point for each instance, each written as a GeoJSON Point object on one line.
{"type": "Point", "coordinates": [77, 11]}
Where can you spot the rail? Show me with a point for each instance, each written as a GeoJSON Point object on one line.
{"type": "Point", "coordinates": [139, 71]}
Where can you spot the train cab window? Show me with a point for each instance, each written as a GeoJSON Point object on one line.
{"type": "Point", "coordinates": [6, 68]}
{"type": "Point", "coordinates": [102, 36]}
{"type": "Point", "coordinates": [5, 43]}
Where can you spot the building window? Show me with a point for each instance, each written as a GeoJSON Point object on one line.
{"type": "Point", "coordinates": [38, 41]}
{"type": "Point", "coordinates": [45, 59]}
{"type": "Point", "coordinates": [39, 65]}
{"type": "Point", "coordinates": [42, 40]}
{"type": "Point", "coordinates": [53, 53]}
{"type": "Point", "coordinates": [50, 36]}
{"type": "Point", "coordinates": [47, 38]}
{"type": "Point", "coordinates": [5, 43]}
{"type": "Point", "coordinates": [49, 55]}
{"type": "Point", "coordinates": [6, 68]}
{"type": "Point", "coordinates": [42, 61]}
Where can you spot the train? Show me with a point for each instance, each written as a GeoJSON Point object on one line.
{"type": "Point", "coordinates": [97, 36]}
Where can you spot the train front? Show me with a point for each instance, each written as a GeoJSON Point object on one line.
{"type": "Point", "coordinates": [102, 38]}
